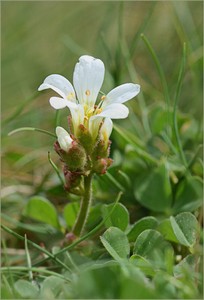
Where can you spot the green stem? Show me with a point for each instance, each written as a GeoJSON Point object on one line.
{"type": "Point", "coordinates": [85, 206]}
{"type": "Point", "coordinates": [87, 235]}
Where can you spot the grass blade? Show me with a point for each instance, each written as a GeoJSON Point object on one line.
{"type": "Point", "coordinates": [30, 273]}
{"type": "Point", "coordinates": [178, 90]}
{"type": "Point", "coordinates": [50, 255]}
{"type": "Point", "coordinates": [33, 269]}
{"type": "Point", "coordinates": [162, 78]}
{"type": "Point", "coordinates": [55, 168]}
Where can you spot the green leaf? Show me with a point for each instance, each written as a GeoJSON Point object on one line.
{"type": "Point", "coordinates": [187, 264]}
{"type": "Point", "coordinates": [132, 288]}
{"type": "Point", "coordinates": [151, 245]}
{"type": "Point", "coordinates": [100, 282]}
{"type": "Point", "coordinates": [51, 287]}
{"type": "Point", "coordinates": [41, 209]}
{"type": "Point", "coordinates": [70, 213]}
{"type": "Point", "coordinates": [143, 264]}
{"type": "Point", "coordinates": [153, 190]}
{"type": "Point", "coordinates": [188, 195]}
{"type": "Point", "coordinates": [146, 242]}
{"type": "Point", "coordinates": [116, 243]}
{"type": "Point", "coordinates": [26, 289]}
{"type": "Point", "coordinates": [141, 225]}
{"type": "Point", "coordinates": [185, 227]}
{"type": "Point", "coordinates": [119, 218]}
{"type": "Point", "coordinates": [166, 230]}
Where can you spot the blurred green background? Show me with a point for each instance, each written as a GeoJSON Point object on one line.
{"type": "Point", "coordinates": [45, 37]}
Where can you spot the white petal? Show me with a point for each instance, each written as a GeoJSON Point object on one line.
{"type": "Point", "coordinates": [64, 138]}
{"type": "Point", "coordinates": [77, 114]}
{"type": "Point", "coordinates": [88, 78]}
{"type": "Point", "coordinates": [60, 85]}
{"type": "Point", "coordinates": [106, 129]}
{"type": "Point", "coordinates": [122, 93]}
{"type": "Point", "coordinates": [57, 102]}
{"type": "Point", "coordinates": [60, 131]}
{"type": "Point", "coordinates": [114, 111]}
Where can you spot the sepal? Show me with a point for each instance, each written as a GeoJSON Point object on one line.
{"type": "Point", "coordinates": [74, 158]}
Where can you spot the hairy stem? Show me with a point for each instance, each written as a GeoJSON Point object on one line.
{"type": "Point", "coordinates": [85, 206]}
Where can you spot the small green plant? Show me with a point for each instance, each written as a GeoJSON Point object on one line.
{"type": "Point", "coordinates": [119, 219]}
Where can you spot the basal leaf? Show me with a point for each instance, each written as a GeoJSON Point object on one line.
{"type": "Point", "coordinates": [41, 209]}
{"type": "Point", "coordinates": [26, 289]}
{"type": "Point", "coordinates": [140, 226]}
{"type": "Point", "coordinates": [143, 264]}
{"type": "Point", "coordinates": [153, 190]}
{"type": "Point", "coordinates": [146, 242]}
{"type": "Point", "coordinates": [185, 227]}
{"type": "Point", "coordinates": [165, 228]}
{"type": "Point", "coordinates": [70, 213]}
{"type": "Point", "coordinates": [189, 195]}
{"type": "Point", "coordinates": [51, 287]}
{"type": "Point", "coordinates": [116, 243]}
{"type": "Point", "coordinates": [119, 218]}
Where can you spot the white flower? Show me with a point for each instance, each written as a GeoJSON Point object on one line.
{"type": "Point", "coordinates": [87, 80]}
{"type": "Point", "coordinates": [63, 138]}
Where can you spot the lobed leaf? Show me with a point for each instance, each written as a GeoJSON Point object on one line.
{"type": "Point", "coordinates": [116, 243]}
{"type": "Point", "coordinates": [140, 226]}
{"type": "Point", "coordinates": [119, 218]}
{"type": "Point", "coordinates": [185, 228]}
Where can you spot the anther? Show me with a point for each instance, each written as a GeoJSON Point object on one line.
{"type": "Point", "coordinates": [103, 97]}
{"type": "Point", "coordinates": [99, 110]}
{"type": "Point", "coordinates": [87, 93]}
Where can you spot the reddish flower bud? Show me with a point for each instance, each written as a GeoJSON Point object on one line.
{"type": "Point", "coordinates": [102, 164]}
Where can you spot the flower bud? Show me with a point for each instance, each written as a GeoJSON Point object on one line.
{"type": "Point", "coordinates": [63, 138]}
{"type": "Point", "coordinates": [72, 179]}
{"type": "Point", "coordinates": [102, 164]}
{"type": "Point", "coordinates": [75, 158]}
{"type": "Point", "coordinates": [102, 149]}
{"type": "Point", "coordinates": [70, 151]}
{"type": "Point", "coordinates": [85, 138]}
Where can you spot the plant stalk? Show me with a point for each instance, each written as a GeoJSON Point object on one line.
{"type": "Point", "coordinates": [84, 207]}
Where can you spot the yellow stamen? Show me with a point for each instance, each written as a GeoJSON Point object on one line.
{"type": "Point", "coordinates": [98, 111]}
{"type": "Point", "coordinates": [103, 97]}
{"type": "Point", "coordinates": [89, 112]}
{"type": "Point", "coordinates": [87, 93]}
{"type": "Point", "coordinates": [86, 118]}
